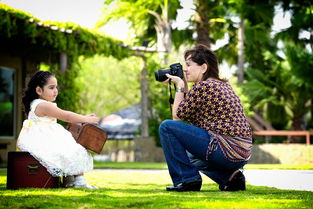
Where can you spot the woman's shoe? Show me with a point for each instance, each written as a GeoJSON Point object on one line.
{"type": "Point", "coordinates": [185, 187]}
{"type": "Point", "coordinates": [236, 182]}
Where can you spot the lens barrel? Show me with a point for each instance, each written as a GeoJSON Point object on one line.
{"type": "Point", "coordinates": [160, 74]}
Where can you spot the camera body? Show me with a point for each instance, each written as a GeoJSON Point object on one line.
{"type": "Point", "coordinates": [176, 69]}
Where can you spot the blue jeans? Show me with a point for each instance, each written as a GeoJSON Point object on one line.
{"type": "Point", "coordinates": [185, 147]}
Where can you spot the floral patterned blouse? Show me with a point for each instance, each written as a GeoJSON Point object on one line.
{"type": "Point", "coordinates": [214, 106]}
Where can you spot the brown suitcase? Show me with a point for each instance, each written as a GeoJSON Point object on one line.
{"type": "Point", "coordinates": [24, 171]}
{"type": "Point", "coordinates": [89, 136]}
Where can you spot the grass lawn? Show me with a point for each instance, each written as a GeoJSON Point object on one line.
{"type": "Point", "coordinates": [148, 165]}
{"type": "Point", "coordinates": [146, 189]}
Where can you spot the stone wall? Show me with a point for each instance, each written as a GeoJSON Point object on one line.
{"type": "Point", "coordinates": [145, 150]}
{"type": "Point", "coordinates": [282, 154]}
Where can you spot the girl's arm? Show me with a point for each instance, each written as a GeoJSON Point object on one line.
{"type": "Point", "coordinates": [50, 110]}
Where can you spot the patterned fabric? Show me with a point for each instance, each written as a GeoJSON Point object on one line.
{"type": "Point", "coordinates": [214, 106]}
{"type": "Point", "coordinates": [52, 145]}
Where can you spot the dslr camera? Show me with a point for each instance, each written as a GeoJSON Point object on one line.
{"type": "Point", "coordinates": [176, 69]}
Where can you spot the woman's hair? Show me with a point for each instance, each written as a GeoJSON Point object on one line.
{"type": "Point", "coordinates": [40, 79]}
{"type": "Point", "coordinates": [201, 54]}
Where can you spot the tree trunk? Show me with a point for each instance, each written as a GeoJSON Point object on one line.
{"type": "Point", "coordinates": [163, 31]}
{"type": "Point", "coordinates": [297, 122]}
{"type": "Point", "coordinates": [202, 24]}
{"type": "Point", "coordinates": [311, 121]}
{"type": "Point", "coordinates": [144, 99]}
{"type": "Point", "coordinates": [241, 51]}
{"type": "Point", "coordinates": [164, 43]}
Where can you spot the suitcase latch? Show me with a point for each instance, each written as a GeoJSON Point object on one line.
{"type": "Point", "coordinates": [32, 168]}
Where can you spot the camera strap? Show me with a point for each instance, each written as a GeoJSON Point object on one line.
{"type": "Point", "coordinates": [171, 99]}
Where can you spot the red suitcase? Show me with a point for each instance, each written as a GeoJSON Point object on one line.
{"type": "Point", "coordinates": [89, 136]}
{"type": "Point", "coordinates": [25, 171]}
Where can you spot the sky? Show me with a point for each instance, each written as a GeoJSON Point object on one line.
{"type": "Point", "coordinates": [83, 12]}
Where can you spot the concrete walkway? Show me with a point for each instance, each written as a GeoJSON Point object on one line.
{"type": "Point", "coordinates": [301, 180]}
{"type": "Point", "coordinates": [281, 179]}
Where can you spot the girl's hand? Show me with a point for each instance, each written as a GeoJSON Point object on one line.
{"type": "Point", "coordinates": [92, 118]}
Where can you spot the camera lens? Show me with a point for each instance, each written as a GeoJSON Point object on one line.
{"type": "Point", "coordinates": [160, 74]}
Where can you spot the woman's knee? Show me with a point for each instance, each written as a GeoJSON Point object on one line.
{"type": "Point", "coordinates": [164, 126]}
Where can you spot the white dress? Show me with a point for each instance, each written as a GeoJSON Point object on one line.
{"type": "Point", "coordinates": [52, 145]}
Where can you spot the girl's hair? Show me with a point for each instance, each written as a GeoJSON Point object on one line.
{"type": "Point", "coordinates": [40, 79]}
{"type": "Point", "coordinates": [201, 54]}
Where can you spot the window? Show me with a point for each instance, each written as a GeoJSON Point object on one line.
{"type": "Point", "coordinates": [7, 89]}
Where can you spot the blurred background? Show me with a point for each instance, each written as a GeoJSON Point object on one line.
{"type": "Point", "coordinates": [105, 52]}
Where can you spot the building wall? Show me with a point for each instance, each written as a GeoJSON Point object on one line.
{"type": "Point", "coordinates": [22, 68]}
{"type": "Point", "coordinates": [282, 154]}
{"type": "Point", "coordinates": [147, 151]}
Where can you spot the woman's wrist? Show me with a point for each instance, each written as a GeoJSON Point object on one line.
{"type": "Point", "coordinates": [180, 89]}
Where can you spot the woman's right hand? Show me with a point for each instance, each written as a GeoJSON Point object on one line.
{"type": "Point", "coordinates": [176, 80]}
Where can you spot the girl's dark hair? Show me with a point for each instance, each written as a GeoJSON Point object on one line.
{"type": "Point", "coordinates": [40, 79]}
{"type": "Point", "coordinates": [201, 54]}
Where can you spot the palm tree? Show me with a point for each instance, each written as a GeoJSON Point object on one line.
{"type": "Point", "coordinates": [284, 92]}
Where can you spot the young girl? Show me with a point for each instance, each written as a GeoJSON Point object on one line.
{"type": "Point", "coordinates": [49, 142]}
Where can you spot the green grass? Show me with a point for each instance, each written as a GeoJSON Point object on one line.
{"type": "Point", "coordinates": [130, 165]}
{"type": "Point", "coordinates": [148, 165]}
{"type": "Point", "coordinates": [146, 189]}
{"type": "Point", "coordinates": [163, 166]}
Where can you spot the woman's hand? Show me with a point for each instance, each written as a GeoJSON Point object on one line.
{"type": "Point", "coordinates": [176, 80]}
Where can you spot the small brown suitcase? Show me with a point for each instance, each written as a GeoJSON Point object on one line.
{"type": "Point", "coordinates": [89, 136]}
{"type": "Point", "coordinates": [24, 171]}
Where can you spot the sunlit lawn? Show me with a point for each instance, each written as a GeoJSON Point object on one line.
{"type": "Point", "coordinates": [146, 189]}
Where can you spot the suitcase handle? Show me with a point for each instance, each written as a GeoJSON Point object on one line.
{"type": "Point", "coordinates": [32, 168]}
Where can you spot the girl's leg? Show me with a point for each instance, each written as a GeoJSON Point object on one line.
{"type": "Point", "coordinates": [177, 138]}
{"type": "Point", "coordinates": [68, 181]}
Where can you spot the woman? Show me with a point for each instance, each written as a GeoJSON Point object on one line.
{"type": "Point", "coordinates": [217, 139]}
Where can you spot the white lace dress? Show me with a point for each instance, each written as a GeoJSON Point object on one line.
{"type": "Point", "coordinates": [52, 145]}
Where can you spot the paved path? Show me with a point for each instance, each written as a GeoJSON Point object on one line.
{"type": "Point", "coordinates": [301, 180]}
{"type": "Point", "coordinates": [281, 179]}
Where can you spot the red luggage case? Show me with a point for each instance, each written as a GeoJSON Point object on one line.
{"type": "Point", "coordinates": [25, 171]}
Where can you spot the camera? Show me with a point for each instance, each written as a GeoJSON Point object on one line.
{"type": "Point", "coordinates": [176, 69]}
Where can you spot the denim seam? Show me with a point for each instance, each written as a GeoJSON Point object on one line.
{"type": "Point", "coordinates": [173, 154]}
{"type": "Point", "coordinates": [193, 135]}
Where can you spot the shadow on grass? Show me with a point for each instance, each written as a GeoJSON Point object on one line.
{"type": "Point", "coordinates": [134, 198]}
{"type": "Point", "coordinates": [152, 196]}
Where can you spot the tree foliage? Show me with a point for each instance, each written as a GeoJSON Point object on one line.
{"type": "Point", "coordinates": [108, 85]}
{"type": "Point", "coordinates": [141, 15]}
{"type": "Point", "coordinates": [45, 40]}
{"type": "Point", "coordinates": [67, 37]}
